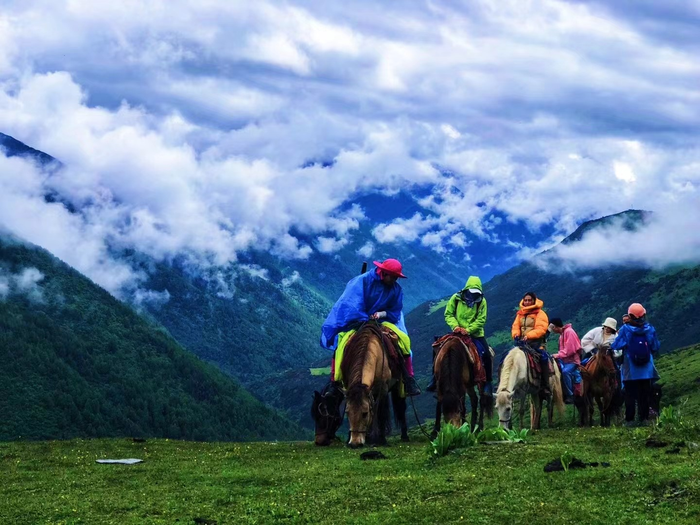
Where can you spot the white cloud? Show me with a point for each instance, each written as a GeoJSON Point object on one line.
{"type": "Point", "coordinates": [25, 283]}
{"type": "Point", "coordinates": [366, 250]}
{"type": "Point", "coordinates": [289, 281]}
{"type": "Point", "coordinates": [183, 129]}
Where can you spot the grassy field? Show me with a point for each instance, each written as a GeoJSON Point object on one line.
{"type": "Point", "coordinates": [188, 482]}
{"type": "Point", "coordinates": [200, 483]}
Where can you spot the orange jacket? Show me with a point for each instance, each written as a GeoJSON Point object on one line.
{"type": "Point", "coordinates": [531, 322]}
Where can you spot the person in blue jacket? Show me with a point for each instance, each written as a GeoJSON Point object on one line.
{"type": "Point", "coordinates": [375, 294]}
{"type": "Point", "coordinates": [639, 344]}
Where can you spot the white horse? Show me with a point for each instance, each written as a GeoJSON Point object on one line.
{"type": "Point", "coordinates": [514, 383]}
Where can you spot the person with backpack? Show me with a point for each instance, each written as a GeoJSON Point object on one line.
{"type": "Point", "coordinates": [465, 313]}
{"type": "Point", "coordinates": [639, 344]}
{"type": "Point", "coordinates": [530, 329]}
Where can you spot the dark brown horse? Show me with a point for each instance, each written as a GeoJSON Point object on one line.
{"type": "Point", "coordinates": [454, 375]}
{"type": "Point", "coordinates": [600, 383]}
{"type": "Point", "coordinates": [370, 370]}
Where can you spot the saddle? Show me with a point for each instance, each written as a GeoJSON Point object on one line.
{"type": "Point", "coordinates": [478, 370]}
{"type": "Point", "coordinates": [534, 370]}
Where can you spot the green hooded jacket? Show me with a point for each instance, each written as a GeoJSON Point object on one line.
{"type": "Point", "coordinates": [473, 319]}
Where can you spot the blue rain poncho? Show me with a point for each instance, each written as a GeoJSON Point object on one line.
{"type": "Point", "coordinates": [363, 296]}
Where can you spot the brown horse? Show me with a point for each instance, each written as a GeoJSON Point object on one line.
{"type": "Point", "coordinates": [600, 383]}
{"type": "Point", "coordinates": [454, 376]}
{"type": "Point", "coordinates": [370, 370]}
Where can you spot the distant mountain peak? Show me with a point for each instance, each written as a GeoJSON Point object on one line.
{"type": "Point", "coordinates": [628, 220]}
{"type": "Point", "coordinates": [14, 148]}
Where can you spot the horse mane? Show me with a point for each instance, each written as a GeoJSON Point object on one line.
{"type": "Point", "coordinates": [506, 372]}
{"type": "Point", "coordinates": [356, 392]}
{"type": "Point", "coordinates": [355, 354]}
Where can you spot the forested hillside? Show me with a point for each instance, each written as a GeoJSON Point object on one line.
{"type": "Point", "coordinates": [78, 363]}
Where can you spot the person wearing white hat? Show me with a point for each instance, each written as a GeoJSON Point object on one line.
{"type": "Point", "coordinates": [600, 335]}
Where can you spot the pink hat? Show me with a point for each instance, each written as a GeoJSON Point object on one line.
{"type": "Point", "coordinates": [391, 266]}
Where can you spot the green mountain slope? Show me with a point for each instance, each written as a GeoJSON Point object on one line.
{"type": "Point", "coordinates": [584, 298]}
{"type": "Point", "coordinates": [78, 363]}
{"type": "Point", "coordinates": [680, 377]}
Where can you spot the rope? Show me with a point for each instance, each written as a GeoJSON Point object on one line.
{"type": "Point", "coordinates": [415, 413]}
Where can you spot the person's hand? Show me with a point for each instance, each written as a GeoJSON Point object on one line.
{"type": "Point", "coordinates": [460, 330]}
{"type": "Point", "coordinates": [378, 315]}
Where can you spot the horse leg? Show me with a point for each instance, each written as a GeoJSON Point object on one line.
{"type": "Point", "coordinates": [536, 402]}
{"type": "Point", "coordinates": [438, 420]}
{"type": "Point", "coordinates": [521, 410]}
{"type": "Point", "coordinates": [399, 404]}
{"type": "Point", "coordinates": [475, 407]}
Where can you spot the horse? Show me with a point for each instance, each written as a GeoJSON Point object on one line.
{"type": "Point", "coordinates": [600, 383]}
{"type": "Point", "coordinates": [325, 412]}
{"type": "Point", "coordinates": [370, 373]}
{"type": "Point", "coordinates": [327, 416]}
{"type": "Point", "coordinates": [514, 382]}
{"type": "Point", "coordinates": [455, 378]}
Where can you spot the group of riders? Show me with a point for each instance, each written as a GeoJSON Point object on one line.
{"type": "Point", "coordinates": [377, 295]}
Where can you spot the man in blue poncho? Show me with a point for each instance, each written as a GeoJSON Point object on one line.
{"type": "Point", "coordinates": [372, 295]}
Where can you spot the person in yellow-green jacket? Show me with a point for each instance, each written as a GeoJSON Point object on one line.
{"type": "Point", "coordinates": [466, 313]}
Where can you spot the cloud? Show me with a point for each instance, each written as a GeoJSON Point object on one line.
{"type": "Point", "coordinates": [24, 283]}
{"type": "Point", "coordinates": [668, 238]}
{"type": "Point", "coordinates": [289, 281]}
{"type": "Point", "coordinates": [206, 131]}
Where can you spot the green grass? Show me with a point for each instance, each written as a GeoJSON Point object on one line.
{"type": "Point", "coordinates": [59, 482]}
{"type": "Point", "coordinates": [325, 371]}
{"type": "Point", "coordinates": [437, 305]}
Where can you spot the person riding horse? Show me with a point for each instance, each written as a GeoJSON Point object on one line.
{"type": "Point", "coordinates": [465, 313]}
{"type": "Point", "coordinates": [530, 328]}
{"type": "Point", "coordinates": [569, 357]}
{"type": "Point", "coordinates": [375, 294]}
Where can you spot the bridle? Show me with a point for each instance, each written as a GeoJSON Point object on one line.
{"type": "Point", "coordinates": [331, 421]}
{"type": "Point", "coordinates": [371, 413]}
{"type": "Point", "coordinates": [511, 413]}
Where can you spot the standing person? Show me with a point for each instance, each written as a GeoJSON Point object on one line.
{"type": "Point", "coordinates": [530, 326]}
{"type": "Point", "coordinates": [637, 339]}
{"type": "Point", "coordinates": [570, 357]}
{"type": "Point", "coordinates": [599, 335]}
{"type": "Point", "coordinates": [375, 294]}
{"type": "Point", "coordinates": [466, 313]}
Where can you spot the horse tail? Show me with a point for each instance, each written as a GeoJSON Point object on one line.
{"type": "Point", "coordinates": [450, 384]}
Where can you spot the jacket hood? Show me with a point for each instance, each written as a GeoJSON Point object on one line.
{"type": "Point", "coordinates": [638, 329]}
{"type": "Point", "coordinates": [538, 304]}
{"type": "Point", "coordinates": [473, 282]}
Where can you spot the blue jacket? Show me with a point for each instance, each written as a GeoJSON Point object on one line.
{"type": "Point", "coordinates": [363, 296]}
{"type": "Point", "coordinates": [631, 371]}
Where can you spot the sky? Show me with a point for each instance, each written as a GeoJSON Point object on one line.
{"type": "Point", "coordinates": [207, 129]}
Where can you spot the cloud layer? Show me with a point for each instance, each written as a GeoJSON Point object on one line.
{"type": "Point", "coordinates": [209, 130]}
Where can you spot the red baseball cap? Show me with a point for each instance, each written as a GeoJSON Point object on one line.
{"type": "Point", "coordinates": [391, 266]}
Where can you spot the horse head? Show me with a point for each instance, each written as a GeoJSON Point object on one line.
{"type": "Point", "coordinates": [504, 405]}
{"type": "Point", "coordinates": [360, 407]}
{"type": "Point", "coordinates": [325, 411]}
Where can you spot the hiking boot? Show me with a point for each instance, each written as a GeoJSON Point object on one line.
{"type": "Point", "coordinates": [432, 386]}
{"type": "Point", "coordinates": [568, 400]}
{"type": "Point", "coordinates": [488, 389]}
{"type": "Point", "coordinates": [411, 387]}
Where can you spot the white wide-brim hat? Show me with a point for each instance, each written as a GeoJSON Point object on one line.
{"type": "Point", "coordinates": [611, 323]}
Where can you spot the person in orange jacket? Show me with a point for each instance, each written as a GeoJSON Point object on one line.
{"type": "Point", "coordinates": [531, 327]}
